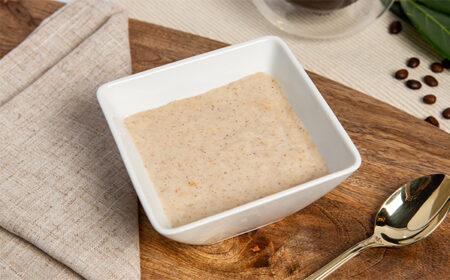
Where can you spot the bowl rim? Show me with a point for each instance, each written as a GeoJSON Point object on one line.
{"type": "Point", "coordinates": [170, 231]}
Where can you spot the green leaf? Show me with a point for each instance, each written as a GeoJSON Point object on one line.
{"type": "Point", "coordinates": [434, 26]}
{"type": "Point", "coordinates": [438, 5]}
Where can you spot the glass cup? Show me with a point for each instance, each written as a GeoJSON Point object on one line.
{"type": "Point", "coordinates": [322, 19]}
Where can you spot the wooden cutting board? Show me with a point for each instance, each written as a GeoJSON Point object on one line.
{"type": "Point", "coordinates": [395, 148]}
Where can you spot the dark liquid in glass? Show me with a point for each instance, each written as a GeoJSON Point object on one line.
{"type": "Point", "coordinates": [323, 5]}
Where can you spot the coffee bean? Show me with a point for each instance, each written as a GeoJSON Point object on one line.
{"type": "Point", "coordinates": [413, 62]}
{"type": "Point", "coordinates": [432, 120]}
{"type": "Point", "coordinates": [413, 84]}
{"type": "Point", "coordinates": [395, 27]}
{"type": "Point", "coordinates": [446, 63]}
{"type": "Point", "coordinates": [436, 67]}
{"type": "Point", "coordinates": [401, 74]}
{"type": "Point", "coordinates": [429, 99]}
{"type": "Point", "coordinates": [446, 113]}
{"type": "Point", "coordinates": [430, 80]}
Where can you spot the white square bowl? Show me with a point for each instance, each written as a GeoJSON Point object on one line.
{"type": "Point", "coordinates": [196, 75]}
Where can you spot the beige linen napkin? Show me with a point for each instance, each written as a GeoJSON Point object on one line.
{"type": "Point", "coordinates": [67, 208]}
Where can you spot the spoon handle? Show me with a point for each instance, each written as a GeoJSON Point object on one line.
{"type": "Point", "coordinates": [342, 258]}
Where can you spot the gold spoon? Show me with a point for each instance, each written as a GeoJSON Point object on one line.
{"type": "Point", "coordinates": [410, 214]}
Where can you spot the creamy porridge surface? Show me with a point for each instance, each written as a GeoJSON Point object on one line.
{"type": "Point", "coordinates": [224, 148]}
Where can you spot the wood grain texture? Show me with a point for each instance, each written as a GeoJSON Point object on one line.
{"type": "Point", "coordinates": [395, 148]}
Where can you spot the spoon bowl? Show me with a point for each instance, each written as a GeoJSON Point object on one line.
{"type": "Point", "coordinates": [409, 215]}
{"type": "Point", "coordinates": [413, 211]}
